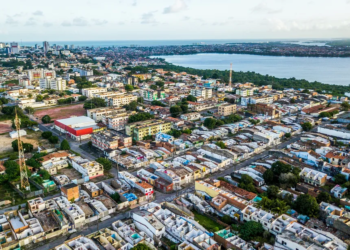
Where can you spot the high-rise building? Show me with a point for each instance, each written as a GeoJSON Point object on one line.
{"type": "Point", "coordinates": [72, 46]}
{"type": "Point", "coordinates": [52, 83]}
{"type": "Point", "coordinates": [66, 46]}
{"type": "Point", "coordinates": [14, 48]}
{"type": "Point", "coordinates": [36, 74]}
{"type": "Point", "coordinates": [36, 46]}
{"type": "Point", "coordinates": [46, 47]}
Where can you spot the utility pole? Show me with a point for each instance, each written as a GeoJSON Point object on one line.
{"type": "Point", "coordinates": [230, 81]}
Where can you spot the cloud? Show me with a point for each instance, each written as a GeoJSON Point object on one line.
{"type": "Point", "coordinates": [178, 6]}
{"type": "Point", "coordinates": [11, 21]}
{"type": "Point", "coordinates": [186, 18]}
{"type": "Point", "coordinates": [30, 22]}
{"type": "Point", "coordinates": [99, 22]}
{"type": "Point", "coordinates": [38, 13]}
{"type": "Point", "coordinates": [120, 23]}
{"type": "Point", "coordinates": [307, 25]}
{"type": "Point", "coordinates": [47, 24]}
{"type": "Point", "coordinates": [134, 3]}
{"type": "Point", "coordinates": [262, 7]}
{"type": "Point", "coordinates": [148, 18]}
{"type": "Point", "coordinates": [79, 21]}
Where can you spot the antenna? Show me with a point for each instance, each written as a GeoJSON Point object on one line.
{"type": "Point", "coordinates": [230, 81]}
{"type": "Point", "coordinates": [22, 161]}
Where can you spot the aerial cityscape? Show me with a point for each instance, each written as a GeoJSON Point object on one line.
{"type": "Point", "coordinates": [161, 137]}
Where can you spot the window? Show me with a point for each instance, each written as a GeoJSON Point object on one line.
{"type": "Point", "coordinates": [284, 243]}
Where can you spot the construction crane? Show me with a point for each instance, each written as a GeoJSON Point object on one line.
{"type": "Point", "coordinates": [230, 81]}
{"type": "Point", "coordinates": [22, 161]}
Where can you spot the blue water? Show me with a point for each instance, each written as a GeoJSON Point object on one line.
{"type": "Point", "coordinates": [148, 42]}
{"type": "Point", "coordinates": [331, 70]}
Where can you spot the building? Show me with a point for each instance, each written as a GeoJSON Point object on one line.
{"type": "Point", "coordinates": [138, 130]}
{"type": "Point", "coordinates": [205, 93]}
{"type": "Point", "coordinates": [83, 72]}
{"type": "Point", "coordinates": [71, 191]}
{"type": "Point", "coordinates": [15, 48]}
{"type": "Point", "coordinates": [37, 74]}
{"type": "Point", "coordinates": [105, 140]}
{"type": "Point", "coordinates": [90, 92]}
{"type": "Point", "coordinates": [191, 116]}
{"type": "Point", "coordinates": [244, 92]}
{"type": "Point", "coordinates": [120, 100]}
{"type": "Point", "coordinates": [98, 113]}
{"type": "Point", "coordinates": [90, 169]}
{"type": "Point", "coordinates": [92, 189]}
{"type": "Point", "coordinates": [78, 128]}
{"type": "Point", "coordinates": [148, 223]}
{"type": "Point", "coordinates": [265, 109]}
{"type": "Point", "coordinates": [117, 119]}
{"type": "Point", "coordinates": [46, 47]}
{"type": "Point", "coordinates": [227, 109]}
{"type": "Point", "coordinates": [153, 95]}
{"type": "Point", "coordinates": [313, 177]}
{"type": "Point", "coordinates": [52, 83]}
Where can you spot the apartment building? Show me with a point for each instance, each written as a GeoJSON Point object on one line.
{"type": "Point", "coordinates": [71, 191]}
{"type": "Point", "coordinates": [313, 177]}
{"type": "Point", "coordinates": [53, 83]}
{"type": "Point", "coordinates": [191, 116]}
{"type": "Point", "coordinates": [36, 74]}
{"type": "Point", "coordinates": [83, 72]}
{"type": "Point", "coordinates": [87, 168]}
{"type": "Point", "coordinates": [92, 189]}
{"type": "Point", "coordinates": [105, 140]}
{"type": "Point", "coordinates": [97, 113]}
{"type": "Point", "coordinates": [78, 243]}
{"type": "Point", "coordinates": [120, 100]}
{"type": "Point", "coordinates": [148, 223]}
{"type": "Point", "coordinates": [75, 214]}
{"type": "Point", "coordinates": [265, 109]}
{"type": "Point", "coordinates": [244, 92]}
{"type": "Point", "coordinates": [90, 92]}
{"type": "Point", "coordinates": [153, 95]}
{"type": "Point", "coordinates": [204, 93]}
{"type": "Point", "coordinates": [227, 109]}
{"type": "Point", "coordinates": [138, 130]}
{"type": "Point", "coordinates": [117, 119]}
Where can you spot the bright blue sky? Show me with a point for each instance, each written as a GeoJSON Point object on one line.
{"type": "Point", "coordinates": [37, 20]}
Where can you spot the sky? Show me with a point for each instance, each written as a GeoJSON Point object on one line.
{"type": "Point", "coordinates": [79, 20]}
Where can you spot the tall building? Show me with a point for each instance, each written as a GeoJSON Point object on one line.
{"type": "Point", "coordinates": [152, 95]}
{"type": "Point", "coordinates": [52, 83]}
{"type": "Point", "coordinates": [202, 92]}
{"type": "Point", "coordinates": [138, 130]}
{"type": "Point", "coordinates": [46, 47]}
{"type": "Point", "coordinates": [83, 72]}
{"type": "Point", "coordinates": [36, 74]}
{"type": "Point", "coordinates": [227, 109]}
{"type": "Point", "coordinates": [14, 48]}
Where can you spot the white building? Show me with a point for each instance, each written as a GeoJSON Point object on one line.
{"type": "Point", "coordinates": [52, 83]}
{"type": "Point", "coordinates": [90, 92]}
{"type": "Point", "coordinates": [202, 92]}
{"type": "Point", "coordinates": [83, 72]}
{"type": "Point", "coordinates": [148, 223]}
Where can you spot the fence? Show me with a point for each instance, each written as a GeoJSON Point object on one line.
{"type": "Point", "coordinates": [26, 195]}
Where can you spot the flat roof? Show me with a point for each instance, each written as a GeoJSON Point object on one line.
{"type": "Point", "coordinates": [74, 120]}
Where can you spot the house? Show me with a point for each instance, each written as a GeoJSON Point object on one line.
{"type": "Point", "coordinates": [191, 116]}
{"type": "Point", "coordinates": [338, 191]}
{"type": "Point", "coordinates": [91, 169]}
{"type": "Point", "coordinates": [313, 177]}
{"type": "Point", "coordinates": [92, 189]}
{"type": "Point", "coordinates": [148, 223]}
{"type": "Point", "coordinates": [71, 191]}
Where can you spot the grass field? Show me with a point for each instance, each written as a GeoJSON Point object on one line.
{"type": "Point", "coordinates": [206, 222]}
{"type": "Point", "coordinates": [61, 112]}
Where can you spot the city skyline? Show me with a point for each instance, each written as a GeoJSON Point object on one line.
{"type": "Point", "coordinates": [174, 20]}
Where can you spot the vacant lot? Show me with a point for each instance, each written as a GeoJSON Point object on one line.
{"type": "Point", "coordinates": [61, 112]}
{"type": "Point", "coordinates": [71, 173]}
{"type": "Point", "coordinates": [5, 126]}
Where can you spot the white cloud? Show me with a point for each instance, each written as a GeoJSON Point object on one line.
{"type": "Point", "coordinates": [99, 22]}
{"type": "Point", "coordinates": [11, 21]}
{"type": "Point", "coordinates": [79, 21]}
{"type": "Point", "coordinates": [38, 13]}
{"type": "Point", "coordinates": [47, 24]}
{"type": "Point", "coordinates": [148, 18]}
{"type": "Point", "coordinates": [178, 6]}
{"type": "Point", "coordinates": [307, 25]}
{"type": "Point", "coordinates": [30, 22]}
{"type": "Point", "coordinates": [263, 7]}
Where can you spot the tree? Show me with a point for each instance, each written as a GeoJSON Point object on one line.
{"type": "Point", "coordinates": [345, 106]}
{"type": "Point", "coordinates": [187, 131]}
{"type": "Point", "coordinates": [272, 192]}
{"type": "Point", "coordinates": [140, 117]}
{"type": "Point", "coordinates": [33, 163]}
{"type": "Point", "coordinates": [340, 179]}
{"type": "Point", "coordinates": [279, 167]}
{"type": "Point", "coordinates": [184, 108]}
{"type": "Point", "coordinates": [250, 229]}
{"type": "Point", "coordinates": [292, 100]}
{"type": "Point", "coordinates": [221, 144]}
{"type": "Point", "coordinates": [12, 169]}
{"type": "Point", "coordinates": [115, 197]}
{"type": "Point", "coordinates": [191, 98]}
{"type": "Point", "coordinates": [323, 197]}
{"type": "Point", "coordinates": [268, 176]}
{"type": "Point", "coordinates": [139, 99]}
{"type": "Point", "coordinates": [39, 98]}
{"type": "Point", "coordinates": [44, 174]}
{"type": "Point", "coordinates": [210, 123]}
{"type": "Point", "coordinates": [46, 134]}
{"type": "Point", "coordinates": [157, 103]}
{"type": "Point", "coordinates": [227, 219]}
{"type": "Point", "coordinates": [141, 246]}
{"type": "Point", "coordinates": [65, 145]}
{"type": "Point", "coordinates": [287, 135]}
{"type": "Point", "coordinates": [53, 139]}
{"type": "Point", "coordinates": [175, 133]}
{"type": "Point", "coordinates": [27, 147]}
{"type": "Point", "coordinates": [82, 98]}
{"type": "Point", "coordinates": [129, 87]}
{"type": "Point", "coordinates": [29, 110]}
{"type": "Point", "coordinates": [274, 205]}
{"type": "Point", "coordinates": [247, 183]}
{"type": "Point", "coordinates": [46, 119]}
{"type": "Point", "coordinates": [306, 204]}
{"type": "Point", "coordinates": [107, 165]}
{"type": "Point", "coordinates": [95, 102]}
{"type": "Point", "coordinates": [90, 144]}
{"type": "Point", "coordinates": [307, 126]}
{"type": "Point", "coordinates": [175, 111]}
{"type": "Point", "coordinates": [153, 87]}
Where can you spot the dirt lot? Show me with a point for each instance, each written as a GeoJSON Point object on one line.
{"type": "Point", "coordinates": [61, 112]}
{"type": "Point", "coordinates": [71, 173]}
{"type": "Point", "coordinates": [5, 126]}
{"type": "Point", "coordinates": [32, 137]}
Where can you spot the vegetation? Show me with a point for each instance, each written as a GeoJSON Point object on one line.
{"type": "Point", "coordinates": [68, 100]}
{"type": "Point", "coordinates": [207, 222]}
{"type": "Point", "coordinates": [65, 145]}
{"type": "Point", "coordinates": [141, 246]}
{"type": "Point", "coordinates": [132, 106]}
{"type": "Point", "coordinates": [158, 103]}
{"type": "Point", "coordinates": [94, 103]}
{"type": "Point", "coordinates": [107, 164]}
{"type": "Point", "coordinates": [82, 98]}
{"type": "Point", "coordinates": [306, 204]}
{"type": "Point", "coordinates": [323, 197]}
{"type": "Point", "coordinates": [254, 122]}
{"type": "Point", "coordinates": [53, 139]}
{"type": "Point", "coordinates": [9, 113]}
{"type": "Point", "coordinates": [282, 173]}
{"type": "Point", "coordinates": [221, 144]}
{"type": "Point", "coordinates": [115, 197]}
{"type": "Point", "coordinates": [191, 98]}
{"type": "Point", "coordinates": [140, 117]}
{"type": "Point", "coordinates": [274, 205]}
{"type": "Point", "coordinates": [250, 229]}
{"type": "Point", "coordinates": [307, 126]}
{"type": "Point", "coordinates": [44, 174]}
{"type": "Point", "coordinates": [246, 182]}
{"type": "Point", "coordinates": [212, 123]}
{"type": "Point", "coordinates": [46, 134]}
{"type": "Point", "coordinates": [27, 147]}
{"type": "Point", "coordinates": [129, 87]}
{"type": "Point", "coordinates": [46, 119]}
{"type": "Point", "coordinates": [29, 110]}
{"type": "Point", "coordinates": [175, 111]}
{"type": "Point", "coordinates": [339, 179]}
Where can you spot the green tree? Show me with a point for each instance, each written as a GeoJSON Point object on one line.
{"type": "Point", "coordinates": [175, 111]}
{"type": "Point", "coordinates": [46, 119]}
{"type": "Point", "coordinates": [272, 191]}
{"type": "Point", "coordinates": [94, 103]}
{"type": "Point", "coordinates": [65, 145]}
{"type": "Point", "coordinates": [268, 177]}
{"type": "Point", "coordinates": [12, 169]}
{"type": "Point", "coordinates": [44, 174]}
{"type": "Point", "coordinates": [307, 126]}
{"type": "Point", "coordinates": [33, 163]}
{"type": "Point", "coordinates": [140, 100]}
{"type": "Point", "coordinates": [115, 197]}
{"type": "Point", "coordinates": [129, 87]}
{"type": "Point", "coordinates": [175, 133]}
{"type": "Point", "coordinates": [323, 197]}
{"type": "Point", "coordinates": [29, 110]}
{"type": "Point", "coordinates": [184, 108]}
{"type": "Point", "coordinates": [107, 165]}
{"type": "Point", "coordinates": [191, 98]}
{"type": "Point", "coordinates": [153, 87]}
{"type": "Point", "coordinates": [46, 134]}
{"type": "Point", "coordinates": [345, 106]}
{"type": "Point", "coordinates": [82, 98]}
{"type": "Point", "coordinates": [250, 229]}
{"type": "Point", "coordinates": [227, 219]}
{"type": "Point", "coordinates": [140, 117]}
{"type": "Point", "coordinates": [210, 123]}
{"type": "Point", "coordinates": [339, 179]}
{"type": "Point", "coordinates": [27, 147]}
{"type": "Point", "coordinates": [306, 204]}
{"type": "Point", "coordinates": [141, 246]}
{"type": "Point", "coordinates": [287, 135]}
{"type": "Point", "coordinates": [187, 131]}
{"type": "Point", "coordinates": [39, 98]}
{"type": "Point", "coordinates": [221, 144]}
{"type": "Point", "coordinates": [292, 100]}
{"type": "Point", "coordinates": [53, 139]}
